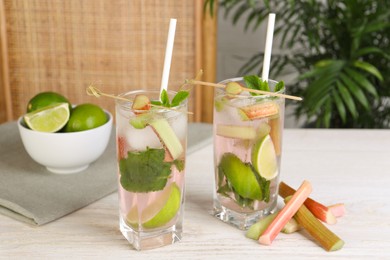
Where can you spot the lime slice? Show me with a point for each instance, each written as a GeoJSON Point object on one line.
{"type": "Point", "coordinates": [167, 212]}
{"type": "Point", "coordinates": [264, 158]}
{"type": "Point", "coordinates": [155, 203]}
{"type": "Point", "coordinates": [48, 119]}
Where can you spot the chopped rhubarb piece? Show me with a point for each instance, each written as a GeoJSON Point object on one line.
{"type": "Point", "coordinates": [274, 123]}
{"type": "Point", "coordinates": [322, 212]}
{"type": "Point", "coordinates": [257, 229]}
{"type": "Point", "coordinates": [233, 88]}
{"type": "Point", "coordinates": [328, 240]}
{"type": "Point", "coordinates": [257, 111]}
{"type": "Point", "coordinates": [263, 130]}
{"type": "Point", "coordinates": [167, 137]}
{"type": "Point", "coordinates": [338, 209]}
{"type": "Point", "coordinates": [121, 146]}
{"type": "Point", "coordinates": [291, 227]}
{"type": "Point", "coordinates": [141, 102]}
{"type": "Point", "coordinates": [286, 213]}
{"type": "Point", "coordinates": [234, 131]}
{"type": "Point", "coordinates": [140, 121]}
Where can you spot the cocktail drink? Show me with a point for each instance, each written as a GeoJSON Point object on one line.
{"type": "Point", "coordinates": [247, 150]}
{"type": "Point", "coordinates": [151, 145]}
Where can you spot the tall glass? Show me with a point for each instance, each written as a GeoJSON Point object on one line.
{"type": "Point", "coordinates": [151, 147]}
{"type": "Point", "coordinates": [247, 151]}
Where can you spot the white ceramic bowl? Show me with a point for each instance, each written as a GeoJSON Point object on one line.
{"type": "Point", "coordinates": [66, 153]}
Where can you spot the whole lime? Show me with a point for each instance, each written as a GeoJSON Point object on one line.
{"type": "Point", "coordinates": [45, 99]}
{"type": "Point", "coordinates": [84, 117]}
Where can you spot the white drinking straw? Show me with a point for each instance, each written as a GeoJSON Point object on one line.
{"type": "Point", "coordinates": [168, 55]}
{"type": "Point", "coordinates": [268, 46]}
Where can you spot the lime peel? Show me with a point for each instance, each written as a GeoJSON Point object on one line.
{"type": "Point", "coordinates": [264, 158]}
{"type": "Point", "coordinates": [162, 210]}
{"type": "Point", "coordinates": [168, 211]}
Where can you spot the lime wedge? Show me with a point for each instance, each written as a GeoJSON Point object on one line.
{"type": "Point", "coordinates": [48, 119]}
{"type": "Point", "coordinates": [264, 158]}
{"type": "Point", "coordinates": [240, 176]}
{"type": "Point", "coordinates": [168, 211]}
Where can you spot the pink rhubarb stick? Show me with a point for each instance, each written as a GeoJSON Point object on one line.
{"type": "Point", "coordinates": [338, 210]}
{"type": "Point", "coordinates": [322, 212]}
{"type": "Point", "coordinates": [286, 213]}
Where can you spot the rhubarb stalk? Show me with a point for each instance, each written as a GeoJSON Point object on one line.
{"type": "Point", "coordinates": [322, 212]}
{"type": "Point", "coordinates": [257, 229]}
{"type": "Point", "coordinates": [291, 227]}
{"type": "Point", "coordinates": [338, 209]}
{"type": "Point", "coordinates": [328, 240]}
{"type": "Point", "coordinates": [286, 214]}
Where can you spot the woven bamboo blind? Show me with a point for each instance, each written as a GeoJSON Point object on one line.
{"type": "Point", "coordinates": [63, 46]}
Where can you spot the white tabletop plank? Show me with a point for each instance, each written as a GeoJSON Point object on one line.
{"type": "Point", "coordinates": [350, 166]}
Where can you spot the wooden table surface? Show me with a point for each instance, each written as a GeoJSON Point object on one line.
{"type": "Point", "coordinates": [349, 166]}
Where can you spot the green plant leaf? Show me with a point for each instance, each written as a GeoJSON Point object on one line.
{"type": "Point", "coordinates": [355, 90]}
{"type": "Point", "coordinates": [324, 63]}
{"type": "Point", "coordinates": [377, 25]}
{"type": "Point", "coordinates": [371, 50]}
{"type": "Point", "coordinates": [322, 85]}
{"type": "Point", "coordinates": [240, 11]}
{"type": "Point", "coordinates": [347, 99]}
{"type": "Point", "coordinates": [209, 4]}
{"type": "Point", "coordinates": [327, 113]}
{"type": "Point", "coordinates": [339, 105]}
{"type": "Point", "coordinates": [362, 81]}
{"type": "Point", "coordinates": [315, 108]}
{"type": "Point", "coordinates": [369, 68]}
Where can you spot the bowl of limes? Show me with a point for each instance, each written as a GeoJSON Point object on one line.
{"type": "Point", "coordinates": [62, 137]}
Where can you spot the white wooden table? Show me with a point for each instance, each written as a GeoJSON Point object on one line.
{"type": "Point", "coordinates": [350, 166]}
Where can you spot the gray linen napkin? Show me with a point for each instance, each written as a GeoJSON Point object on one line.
{"type": "Point", "coordinates": [30, 193]}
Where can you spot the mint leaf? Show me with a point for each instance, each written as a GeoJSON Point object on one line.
{"type": "Point", "coordinates": [279, 86]}
{"type": "Point", "coordinates": [179, 164]}
{"type": "Point", "coordinates": [176, 100]}
{"type": "Point", "coordinates": [179, 97]}
{"type": "Point", "coordinates": [165, 98]}
{"type": "Point", "coordinates": [224, 190]}
{"type": "Point", "coordinates": [156, 103]}
{"type": "Point", "coordinates": [144, 171]}
{"type": "Point", "coordinates": [243, 202]}
{"type": "Point", "coordinates": [255, 82]}
{"type": "Point", "coordinates": [264, 185]}
{"type": "Point", "coordinates": [264, 85]}
{"type": "Point", "coordinates": [252, 82]}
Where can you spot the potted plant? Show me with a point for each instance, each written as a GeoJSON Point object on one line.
{"type": "Point", "coordinates": [339, 48]}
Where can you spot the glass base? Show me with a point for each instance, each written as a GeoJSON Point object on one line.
{"type": "Point", "coordinates": [143, 240]}
{"type": "Point", "coordinates": [241, 220]}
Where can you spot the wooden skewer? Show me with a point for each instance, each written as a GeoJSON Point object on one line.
{"type": "Point", "coordinates": [204, 83]}
{"type": "Point", "coordinates": [93, 91]}
{"type": "Point", "coordinates": [197, 82]}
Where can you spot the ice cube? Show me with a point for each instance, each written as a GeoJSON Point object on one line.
{"type": "Point", "coordinates": [179, 126]}
{"type": "Point", "coordinates": [140, 139]}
